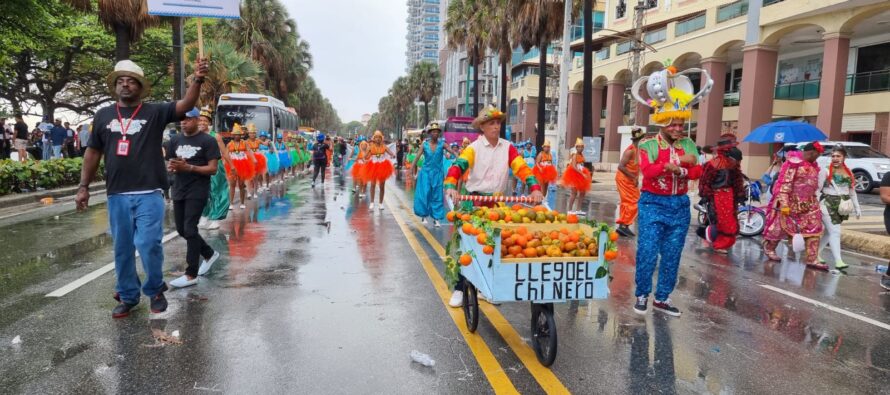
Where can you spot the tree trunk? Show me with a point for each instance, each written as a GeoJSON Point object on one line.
{"type": "Point", "coordinates": [587, 98]}
{"type": "Point", "coordinates": [504, 108]}
{"type": "Point", "coordinates": [542, 95]}
{"type": "Point", "coordinates": [475, 82]}
{"type": "Point", "coordinates": [122, 42]}
{"type": "Point", "coordinates": [426, 114]}
{"type": "Point", "coordinates": [177, 59]}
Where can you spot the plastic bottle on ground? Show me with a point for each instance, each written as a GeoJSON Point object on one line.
{"type": "Point", "coordinates": [881, 268]}
{"type": "Point", "coordinates": [422, 358]}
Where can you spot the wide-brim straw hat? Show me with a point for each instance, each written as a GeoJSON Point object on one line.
{"type": "Point", "coordinates": [434, 126]}
{"type": "Point", "coordinates": [488, 114]}
{"type": "Point", "coordinates": [127, 68]}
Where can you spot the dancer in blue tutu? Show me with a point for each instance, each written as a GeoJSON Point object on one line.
{"type": "Point", "coordinates": [268, 151]}
{"type": "Point", "coordinates": [284, 161]}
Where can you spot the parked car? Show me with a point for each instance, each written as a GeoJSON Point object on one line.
{"type": "Point", "coordinates": [867, 164]}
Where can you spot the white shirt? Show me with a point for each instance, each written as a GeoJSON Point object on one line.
{"type": "Point", "coordinates": [491, 169]}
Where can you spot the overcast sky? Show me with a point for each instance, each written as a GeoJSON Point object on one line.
{"type": "Point", "coordinates": [358, 49]}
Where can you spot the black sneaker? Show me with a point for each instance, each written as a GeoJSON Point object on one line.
{"type": "Point", "coordinates": [666, 307]}
{"type": "Point", "coordinates": [122, 310]}
{"type": "Point", "coordinates": [642, 305]}
{"type": "Point", "coordinates": [158, 303]}
{"type": "Point", "coordinates": [885, 282]}
{"type": "Point", "coordinates": [625, 231]}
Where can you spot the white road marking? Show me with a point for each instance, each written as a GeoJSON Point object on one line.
{"type": "Point", "coordinates": [95, 274]}
{"type": "Point", "coordinates": [817, 303]}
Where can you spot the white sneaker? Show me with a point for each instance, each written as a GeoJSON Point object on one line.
{"type": "Point", "coordinates": [436, 223]}
{"type": "Point", "coordinates": [457, 299]}
{"type": "Point", "coordinates": [206, 264]}
{"type": "Point", "coordinates": [212, 225]}
{"type": "Point", "coordinates": [202, 223]}
{"type": "Point", "coordinates": [183, 281]}
{"type": "Point", "coordinates": [380, 207]}
{"type": "Point", "coordinates": [423, 220]}
{"type": "Point", "coordinates": [242, 206]}
{"type": "Point", "coordinates": [231, 207]}
{"type": "Point", "coordinates": [371, 207]}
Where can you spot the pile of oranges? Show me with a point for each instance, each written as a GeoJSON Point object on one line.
{"type": "Point", "coordinates": [516, 214]}
{"type": "Point", "coordinates": [521, 243]}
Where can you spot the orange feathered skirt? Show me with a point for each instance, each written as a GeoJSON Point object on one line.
{"type": "Point", "coordinates": [545, 173]}
{"type": "Point", "coordinates": [359, 171]}
{"type": "Point", "coordinates": [575, 179]}
{"type": "Point", "coordinates": [378, 171]}
{"type": "Point", "coordinates": [242, 165]}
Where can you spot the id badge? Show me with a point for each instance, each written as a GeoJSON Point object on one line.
{"type": "Point", "coordinates": [123, 148]}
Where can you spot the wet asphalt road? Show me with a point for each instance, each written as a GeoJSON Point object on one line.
{"type": "Point", "coordinates": [315, 294]}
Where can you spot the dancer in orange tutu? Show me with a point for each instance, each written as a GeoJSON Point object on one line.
{"type": "Point", "coordinates": [544, 170]}
{"type": "Point", "coordinates": [379, 167]}
{"type": "Point", "coordinates": [576, 178]}
{"type": "Point", "coordinates": [359, 167]}
{"type": "Point", "coordinates": [241, 171]}
{"type": "Point", "coordinates": [628, 180]}
{"type": "Point", "coordinates": [259, 161]}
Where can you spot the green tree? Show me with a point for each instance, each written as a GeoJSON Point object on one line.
{"type": "Point", "coordinates": [230, 71]}
{"type": "Point", "coordinates": [426, 84]}
{"type": "Point", "coordinates": [126, 19]}
{"type": "Point", "coordinates": [465, 28]}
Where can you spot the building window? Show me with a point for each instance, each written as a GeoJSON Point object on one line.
{"type": "Point", "coordinates": [431, 10]}
{"type": "Point", "coordinates": [433, 19]}
{"type": "Point", "coordinates": [601, 55]}
{"type": "Point", "coordinates": [732, 10]}
{"type": "Point", "coordinates": [656, 36]}
{"type": "Point", "coordinates": [621, 9]}
{"type": "Point", "coordinates": [690, 25]}
{"type": "Point", "coordinates": [431, 37]}
{"type": "Point", "coordinates": [622, 48]}
{"type": "Point", "coordinates": [513, 110]}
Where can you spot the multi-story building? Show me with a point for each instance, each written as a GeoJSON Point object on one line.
{"type": "Point", "coordinates": [423, 35]}
{"type": "Point", "coordinates": [456, 98]}
{"type": "Point", "coordinates": [823, 62]}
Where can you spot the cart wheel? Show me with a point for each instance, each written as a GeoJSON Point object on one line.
{"type": "Point", "coordinates": [471, 307]}
{"type": "Point", "coordinates": [544, 333]}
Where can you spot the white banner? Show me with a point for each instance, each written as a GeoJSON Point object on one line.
{"type": "Point", "coordinates": [227, 9]}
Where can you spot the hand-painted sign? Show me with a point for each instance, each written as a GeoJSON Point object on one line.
{"type": "Point", "coordinates": [551, 281]}
{"type": "Point", "coordinates": [226, 9]}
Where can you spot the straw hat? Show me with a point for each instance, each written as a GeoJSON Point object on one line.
{"type": "Point", "coordinates": [251, 129]}
{"type": "Point", "coordinates": [206, 112]}
{"type": "Point", "coordinates": [127, 68]}
{"type": "Point", "coordinates": [579, 142]}
{"type": "Point", "coordinates": [433, 126]}
{"type": "Point", "coordinates": [488, 114]}
{"type": "Point", "coordinates": [236, 130]}
{"type": "Point", "coordinates": [546, 143]}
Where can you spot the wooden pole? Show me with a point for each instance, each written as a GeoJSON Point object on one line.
{"type": "Point", "coordinates": [200, 39]}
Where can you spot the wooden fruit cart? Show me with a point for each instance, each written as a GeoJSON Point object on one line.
{"type": "Point", "coordinates": [540, 281]}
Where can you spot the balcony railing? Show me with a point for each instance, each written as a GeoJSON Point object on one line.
{"type": "Point", "coordinates": [804, 90]}
{"type": "Point", "coordinates": [770, 2]}
{"type": "Point", "coordinates": [731, 99]}
{"type": "Point", "coordinates": [872, 81]}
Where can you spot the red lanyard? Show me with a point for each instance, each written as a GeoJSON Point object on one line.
{"type": "Point", "coordinates": [120, 119]}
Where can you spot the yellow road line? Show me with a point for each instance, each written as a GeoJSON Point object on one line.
{"type": "Point", "coordinates": [545, 377]}
{"type": "Point", "coordinates": [487, 361]}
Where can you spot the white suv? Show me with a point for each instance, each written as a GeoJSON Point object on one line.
{"type": "Point", "coordinates": [867, 164]}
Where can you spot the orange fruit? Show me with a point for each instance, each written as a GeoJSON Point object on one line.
{"type": "Point", "coordinates": [509, 241]}
{"type": "Point", "coordinates": [521, 241]}
{"type": "Point", "coordinates": [467, 228]}
{"type": "Point", "coordinates": [509, 256]}
{"type": "Point", "coordinates": [554, 235]}
{"type": "Point", "coordinates": [570, 246]}
{"type": "Point", "coordinates": [541, 251]}
{"type": "Point", "coordinates": [466, 217]}
{"type": "Point", "coordinates": [522, 230]}
{"type": "Point", "coordinates": [451, 216]}
{"type": "Point", "coordinates": [506, 233]}
{"type": "Point", "coordinates": [520, 256]}
{"type": "Point", "coordinates": [493, 216]}
{"type": "Point", "coordinates": [530, 252]}
{"type": "Point", "coordinates": [514, 249]}
{"type": "Point", "coordinates": [574, 237]}
{"type": "Point", "coordinates": [503, 250]}
{"type": "Point", "coordinates": [488, 250]}
{"type": "Point", "coordinates": [540, 209]}
{"type": "Point", "coordinates": [572, 219]}
{"type": "Point", "coordinates": [465, 260]}
{"type": "Point", "coordinates": [613, 236]}
{"type": "Point", "coordinates": [610, 255]}
{"type": "Point", "coordinates": [564, 231]}
{"type": "Point", "coordinates": [482, 238]}
{"type": "Point", "coordinates": [517, 207]}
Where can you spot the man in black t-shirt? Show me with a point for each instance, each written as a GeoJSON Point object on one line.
{"type": "Point", "coordinates": [319, 158]}
{"type": "Point", "coordinates": [128, 135]}
{"type": "Point", "coordinates": [885, 198]}
{"type": "Point", "coordinates": [193, 159]}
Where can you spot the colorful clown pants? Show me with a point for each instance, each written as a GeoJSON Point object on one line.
{"type": "Point", "coordinates": [663, 224]}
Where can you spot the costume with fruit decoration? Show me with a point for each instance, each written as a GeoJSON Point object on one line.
{"type": "Point", "coordinates": [576, 176]}
{"type": "Point", "coordinates": [794, 207]}
{"type": "Point", "coordinates": [217, 206]}
{"type": "Point", "coordinates": [544, 170]}
{"type": "Point", "coordinates": [379, 168]}
{"type": "Point", "coordinates": [260, 162]}
{"type": "Point", "coordinates": [238, 152]}
{"type": "Point", "coordinates": [664, 206]}
{"type": "Point", "coordinates": [722, 186]}
{"type": "Point", "coordinates": [429, 195]}
{"type": "Point", "coordinates": [628, 188]}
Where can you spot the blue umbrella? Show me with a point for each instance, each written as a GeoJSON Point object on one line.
{"type": "Point", "coordinates": [784, 132]}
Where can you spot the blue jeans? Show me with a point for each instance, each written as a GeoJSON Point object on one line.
{"type": "Point", "coordinates": [57, 151]}
{"type": "Point", "coordinates": [137, 224]}
{"type": "Point", "coordinates": [47, 151]}
{"type": "Point", "coordinates": [663, 223]}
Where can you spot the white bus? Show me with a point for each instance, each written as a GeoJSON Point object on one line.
{"type": "Point", "coordinates": [266, 112]}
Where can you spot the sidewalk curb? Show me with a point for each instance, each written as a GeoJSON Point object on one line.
{"type": "Point", "coordinates": [866, 243]}
{"type": "Point", "coordinates": [35, 197]}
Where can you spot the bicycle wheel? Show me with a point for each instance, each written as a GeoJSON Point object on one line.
{"type": "Point", "coordinates": [471, 307]}
{"type": "Point", "coordinates": [751, 223]}
{"type": "Point", "coordinates": [544, 333]}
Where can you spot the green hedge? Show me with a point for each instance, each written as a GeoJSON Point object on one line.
{"type": "Point", "coordinates": [16, 177]}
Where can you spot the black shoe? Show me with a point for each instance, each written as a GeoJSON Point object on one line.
{"type": "Point", "coordinates": [625, 231]}
{"type": "Point", "coordinates": [641, 305]}
{"type": "Point", "coordinates": [158, 303]}
{"type": "Point", "coordinates": [666, 307]}
{"type": "Point", "coordinates": [885, 282]}
{"type": "Point", "coordinates": [122, 310]}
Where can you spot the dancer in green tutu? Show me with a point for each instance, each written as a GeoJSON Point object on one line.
{"type": "Point", "coordinates": [217, 206]}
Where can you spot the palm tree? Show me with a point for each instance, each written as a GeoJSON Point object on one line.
{"type": "Point", "coordinates": [402, 102]}
{"type": "Point", "coordinates": [537, 23]}
{"type": "Point", "coordinates": [464, 28]}
{"type": "Point", "coordinates": [587, 99]}
{"type": "Point", "coordinates": [126, 19]}
{"type": "Point", "coordinates": [426, 84]}
{"type": "Point", "coordinates": [230, 71]}
{"type": "Point", "coordinates": [499, 41]}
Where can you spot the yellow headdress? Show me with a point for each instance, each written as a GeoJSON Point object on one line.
{"type": "Point", "coordinates": [236, 130]}
{"type": "Point", "coordinates": [377, 133]}
{"type": "Point", "coordinates": [465, 141]}
{"type": "Point", "coordinates": [546, 143]}
{"type": "Point", "coordinates": [206, 112]}
{"type": "Point", "coordinates": [671, 92]}
{"type": "Point", "coordinates": [251, 129]}
{"type": "Point", "coordinates": [578, 141]}
{"type": "Point", "coordinates": [486, 115]}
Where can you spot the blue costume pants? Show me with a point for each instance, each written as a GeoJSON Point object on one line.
{"type": "Point", "coordinates": [429, 195]}
{"type": "Point", "coordinates": [663, 224]}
